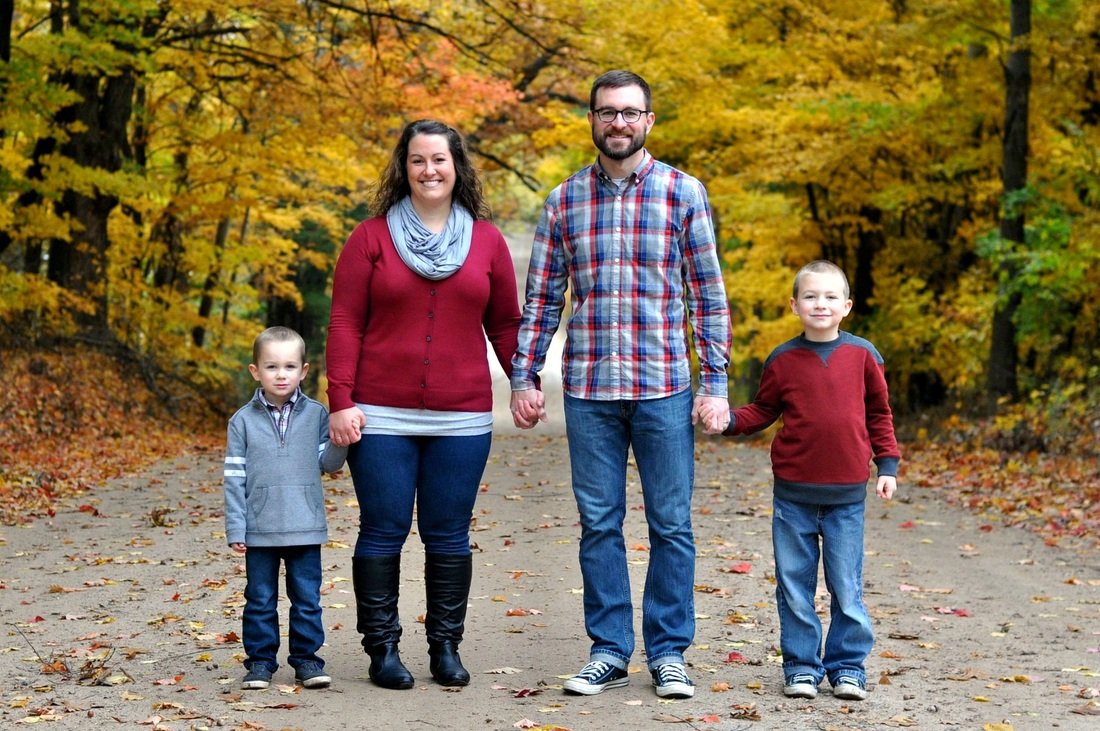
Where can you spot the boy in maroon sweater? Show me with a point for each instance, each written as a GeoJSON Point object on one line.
{"type": "Point", "coordinates": [829, 388]}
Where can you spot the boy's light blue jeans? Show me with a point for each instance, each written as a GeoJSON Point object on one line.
{"type": "Point", "coordinates": [803, 533]}
{"type": "Point", "coordinates": [600, 434]}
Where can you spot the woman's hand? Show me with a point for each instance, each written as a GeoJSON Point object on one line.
{"type": "Point", "coordinates": [345, 426]}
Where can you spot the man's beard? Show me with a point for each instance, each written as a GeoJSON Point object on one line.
{"type": "Point", "coordinates": [637, 142]}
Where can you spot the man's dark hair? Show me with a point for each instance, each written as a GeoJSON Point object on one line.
{"type": "Point", "coordinates": [617, 79]}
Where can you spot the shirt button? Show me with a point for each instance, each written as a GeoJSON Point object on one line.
{"type": "Point", "coordinates": [431, 315]}
{"type": "Point", "coordinates": [425, 361]}
{"type": "Point", "coordinates": [431, 292]}
{"type": "Point", "coordinates": [423, 385]}
{"type": "Point", "coordinates": [428, 338]}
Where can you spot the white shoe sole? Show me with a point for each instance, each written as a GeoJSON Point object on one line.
{"type": "Point", "coordinates": [675, 690]}
{"type": "Point", "coordinates": [583, 688]}
{"type": "Point", "coordinates": [849, 692]}
{"type": "Point", "coordinates": [800, 690]}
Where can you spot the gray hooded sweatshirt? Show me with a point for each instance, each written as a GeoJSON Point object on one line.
{"type": "Point", "coordinates": [273, 494]}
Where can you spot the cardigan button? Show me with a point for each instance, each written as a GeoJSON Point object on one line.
{"type": "Point", "coordinates": [428, 338]}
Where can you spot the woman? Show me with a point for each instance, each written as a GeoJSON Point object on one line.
{"type": "Point", "coordinates": [417, 289]}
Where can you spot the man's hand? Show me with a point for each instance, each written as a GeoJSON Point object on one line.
{"type": "Point", "coordinates": [713, 411]}
{"type": "Point", "coordinates": [528, 408]}
{"type": "Point", "coordinates": [345, 426]}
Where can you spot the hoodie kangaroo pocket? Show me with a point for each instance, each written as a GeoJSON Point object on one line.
{"type": "Point", "coordinates": [286, 509]}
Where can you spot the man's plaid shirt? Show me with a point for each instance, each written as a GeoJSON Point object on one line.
{"type": "Point", "coordinates": [641, 262]}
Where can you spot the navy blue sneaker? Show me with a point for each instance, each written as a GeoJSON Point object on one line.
{"type": "Point", "coordinates": [596, 677]}
{"type": "Point", "coordinates": [258, 678]}
{"type": "Point", "coordinates": [312, 675]}
{"type": "Point", "coordinates": [671, 680]}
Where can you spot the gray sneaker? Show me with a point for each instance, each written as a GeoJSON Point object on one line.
{"type": "Point", "coordinates": [849, 689]}
{"type": "Point", "coordinates": [802, 685]}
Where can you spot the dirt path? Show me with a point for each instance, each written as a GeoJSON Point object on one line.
{"type": "Point", "coordinates": [976, 627]}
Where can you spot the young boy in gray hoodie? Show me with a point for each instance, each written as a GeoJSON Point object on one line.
{"type": "Point", "coordinates": [278, 446]}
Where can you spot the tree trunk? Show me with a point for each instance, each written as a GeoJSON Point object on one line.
{"type": "Point", "coordinates": [869, 242]}
{"type": "Point", "coordinates": [1003, 354]}
{"type": "Point", "coordinates": [206, 304]}
{"type": "Point", "coordinates": [102, 113]}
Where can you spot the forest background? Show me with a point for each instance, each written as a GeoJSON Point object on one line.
{"type": "Point", "coordinates": [175, 175]}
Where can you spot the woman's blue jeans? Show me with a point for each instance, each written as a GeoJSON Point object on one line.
{"type": "Point", "coordinates": [663, 440]}
{"type": "Point", "coordinates": [802, 534]}
{"type": "Point", "coordinates": [260, 625]}
{"type": "Point", "coordinates": [439, 474]}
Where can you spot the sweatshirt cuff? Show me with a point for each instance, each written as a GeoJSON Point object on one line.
{"type": "Point", "coordinates": [887, 466]}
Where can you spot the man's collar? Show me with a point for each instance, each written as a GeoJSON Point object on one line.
{"type": "Point", "coordinates": [638, 173]}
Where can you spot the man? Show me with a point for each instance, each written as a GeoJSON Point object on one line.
{"type": "Point", "coordinates": [634, 239]}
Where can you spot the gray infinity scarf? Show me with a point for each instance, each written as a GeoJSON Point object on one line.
{"type": "Point", "coordinates": [429, 254]}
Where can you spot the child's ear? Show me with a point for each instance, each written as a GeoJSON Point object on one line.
{"type": "Point", "coordinates": [305, 369]}
{"type": "Point", "coordinates": [254, 371]}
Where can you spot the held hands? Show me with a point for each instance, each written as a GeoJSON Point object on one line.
{"type": "Point", "coordinates": [713, 412]}
{"type": "Point", "coordinates": [528, 408]}
{"type": "Point", "coordinates": [345, 426]}
{"type": "Point", "coordinates": [886, 486]}
{"type": "Point", "coordinates": [239, 547]}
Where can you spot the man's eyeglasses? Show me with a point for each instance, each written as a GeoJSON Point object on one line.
{"type": "Point", "coordinates": [630, 116]}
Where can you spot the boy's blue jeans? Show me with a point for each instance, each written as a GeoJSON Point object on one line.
{"type": "Point", "coordinates": [660, 432]}
{"type": "Point", "coordinates": [802, 533]}
{"type": "Point", "coordinates": [261, 612]}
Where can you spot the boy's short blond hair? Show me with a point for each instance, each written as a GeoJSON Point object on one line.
{"type": "Point", "coordinates": [821, 266]}
{"type": "Point", "coordinates": [277, 334]}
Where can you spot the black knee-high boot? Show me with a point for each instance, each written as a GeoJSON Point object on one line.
{"type": "Point", "coordinates": [376, 580]}
{"type": "Point", "coordinates": [447, 581]}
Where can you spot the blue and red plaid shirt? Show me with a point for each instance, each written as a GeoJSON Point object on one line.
{"type": "Point", "coordinates": [640, 260]}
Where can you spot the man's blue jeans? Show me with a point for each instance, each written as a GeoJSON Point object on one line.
{"type": "Point", "coordinates": [663, 440]}
{"type": "Point", "coordinates": [440, 474]}
{"type": "Point", "coordinates": [802, 533]}
{"type": "Point", "coordinates": [260, 624]}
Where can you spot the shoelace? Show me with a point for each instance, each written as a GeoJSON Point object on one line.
{"type": "Point", "coordinates": [593, 670]}
{"type": "Point", "coordinates": [807, 679]}
{"type": "Point", "coordinates": [672, 673]}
